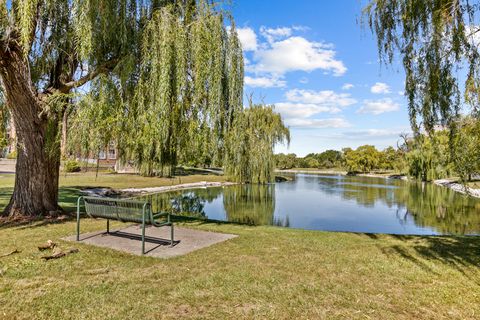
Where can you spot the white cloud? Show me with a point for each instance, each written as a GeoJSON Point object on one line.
{"type": "Point", "coordinates": [301, 110]}
{"type": "Point", "coordinates": [302, 105]}
{"type": "Point", "coordinates": [264, 82]}
{"type": "Point", "coordinates": [380, 87]}
{"type": "Point", "coordinates": [377, 107]}
{"type": "Point", "coordinates": [248, 39]}
{"type": "Point", "coordinates": [300, 28]}
{"type": "Point", "coordinates": [296, 54]}
{"type": "Point", "coordinates": [318, 123]}
{"type": "Point", "coordinates": [272, 34]}
{"type": "Point", "coordinates": [347, 86]}
{"type": "Point", "coordinates": [326, 98]}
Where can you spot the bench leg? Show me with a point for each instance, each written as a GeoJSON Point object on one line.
{"type": "Point", "coordinates": [143, 237]}
{"type": "Point", "coordinates": [78, 218]}
{"type": "Point", "coordinates": [78, 227]}
{"type": "Point", "coordinates": [108, 225]}
{"type": "Point", "coordinates": [171, 235]}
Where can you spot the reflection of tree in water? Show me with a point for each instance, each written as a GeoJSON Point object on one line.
{"type": "Point", "coordinates": [367, 193]}
{"type": "Point", "coordinates": [364, 191]}
{"type": "Point", "coordinates": [251, 204]}
{"type": "Point", "coordinates": [441, 208]}
{"type": "Point", "coordinates": [188, 203]}
{"type": "Point", "coordinates": [428, 205]}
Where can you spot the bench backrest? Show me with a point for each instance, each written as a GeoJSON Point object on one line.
{"type": "Point", "coordinates": [118, 209]}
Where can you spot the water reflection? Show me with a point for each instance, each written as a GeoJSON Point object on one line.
{"type": "Point", "coordinates": [185, 203]}
{"type": "Point", "coordinates": [337, 203]}
{"type": "Point", "coordinates": [428, 205]}
{"type": "Point", "coordinates": [252, 204]}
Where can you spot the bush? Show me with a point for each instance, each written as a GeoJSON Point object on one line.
{"type": "Point", "coordinates": [12, 155]}
{"type": "Point", "coordinates": [71, 166]}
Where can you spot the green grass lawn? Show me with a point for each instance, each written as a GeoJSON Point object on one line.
{"type": "Point", "coordinates": [267, 272]}
{"type": "Point", "coordinates": [71, 183]}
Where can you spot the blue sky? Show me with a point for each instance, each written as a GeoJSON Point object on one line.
{"type": "Point", "coordinates": [320, 68]}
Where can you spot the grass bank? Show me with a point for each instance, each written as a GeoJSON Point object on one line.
{"type": "Point", "coordinates": [266, 272]}
{"type": "Point", "coordinates": [72, 183]}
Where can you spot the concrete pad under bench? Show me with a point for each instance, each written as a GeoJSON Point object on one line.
{"type": "Point", "coordinates": [157, 240]}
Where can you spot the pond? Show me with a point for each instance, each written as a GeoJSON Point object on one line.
{"type": "Point", "coordinates": [333, 203]}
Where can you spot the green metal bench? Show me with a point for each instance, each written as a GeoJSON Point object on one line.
{"type": "Point", "coordinates": [125, 211]}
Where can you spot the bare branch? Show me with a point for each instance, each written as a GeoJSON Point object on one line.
{"type": "Point", "coordinates": [102, 69]}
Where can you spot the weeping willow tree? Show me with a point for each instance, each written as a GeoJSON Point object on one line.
{"type": "Point", "coordinates": [435, 39]}
{"type": "Point", "coordinates": [187, 92]}
{"type": "Point", "coordinates": [3, 127]}
{"type": "Point", "coordinates": [250, 143]}
{"type": "Point", "coordinates": [48, 49]}
{"type": "Point", "coordinates": [429, 158]}
{"type": "Point", "coordinates": [186, 105]}
{"type": "Point", "coordinates": [163, 79]}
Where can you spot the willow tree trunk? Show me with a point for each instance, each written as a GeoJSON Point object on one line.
{"type": "Point", "coordinates": [63, 142]}
{"type": "Point", "coordinates": [38, 157]}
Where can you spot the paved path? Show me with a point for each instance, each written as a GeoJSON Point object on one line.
{"type": "Point", "coordinates": [7, 166]}
{"type": "Point", "coordinates": [157, 244]}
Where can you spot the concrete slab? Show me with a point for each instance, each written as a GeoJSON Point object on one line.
{"type": "Point", "coordinates": [157, 241]}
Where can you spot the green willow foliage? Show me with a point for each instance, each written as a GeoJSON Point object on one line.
{"type": "Point", "coordinates": [179, 100]}
{"type": "Point", "coordinates": [97, 119]}
{"type": "Point", "coordinates": [466, 148]}
{"type": "Point", "coordinates": [435, 39]}
{"type": "Point", "coordinates": [429, 158]}
{"type": "Point", "coordinates": [250, 142]}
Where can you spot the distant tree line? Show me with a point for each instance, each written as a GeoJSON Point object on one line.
{"type": "Point", "coordinates": [424, 157]}
{"type": "Point", "coordinates": [364, 159]}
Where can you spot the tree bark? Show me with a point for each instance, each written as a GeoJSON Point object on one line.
{"type": "Point", "coordinates": [63, 143]}
{"type": "Point", "coordinates": [38, 156]}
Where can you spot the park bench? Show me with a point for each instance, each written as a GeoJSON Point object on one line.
{"type": "Point", "coordinates": [125, 211]}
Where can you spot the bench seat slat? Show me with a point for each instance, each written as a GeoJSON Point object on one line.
{"type": "Point", "coordinates": [116, 209]}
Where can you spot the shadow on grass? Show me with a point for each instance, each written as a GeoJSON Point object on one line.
{"type": "Point", "coordinates": [458, 252]}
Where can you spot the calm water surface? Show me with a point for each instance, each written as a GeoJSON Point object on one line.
{"type": "Point", "coordinates": [333, 203]}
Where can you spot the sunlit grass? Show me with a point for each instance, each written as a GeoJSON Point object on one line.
{"type": "Point", "coordinates": [266, 272]}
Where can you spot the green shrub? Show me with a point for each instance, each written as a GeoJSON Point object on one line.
{"type": "Point", "coordinates": [71, 166]}
{"type": "Point", "coordinates": [12, 155]}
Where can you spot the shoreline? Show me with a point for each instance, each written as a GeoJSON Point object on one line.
{"type": "Point", "coordinates": [451, 184]}
{"type": "Point", "coordinates": [458, 187]}
{"type": "Point", "coordinates": [105, 192]}
{"type": "Point", "coordinates": [345, 173]}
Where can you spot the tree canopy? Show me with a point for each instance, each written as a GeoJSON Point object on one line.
{"type": "Point", "coordinates": [249, 156]}
{"type": "Point", "coordinates": [437, 42]}
{"type": "Point", "coordinates": [188, 90]}
{"type": "Point", "coordinates": [162, 79]}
